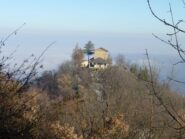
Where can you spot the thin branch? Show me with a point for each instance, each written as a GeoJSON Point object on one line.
{"type": "Point", "coordinates": [31, 73]}
{"type": "Point", "coordinates": [172, 34]}
{"type": "Point", "coordinates": [183, 1]}
{"type": "Point", "coordinates": [2, 42]}
{"type": "Point", "coordinates": [171, 79]}
{"type": "Point", "coordinates": [176, 38]}
{"type": "Point", "coordinates": [176, 30]}
{"type": "Point", "coordinates": [163, 20]}
{"type": "Point", "coordinates": [179, 62]}
{"type": "Point", "coordinates": [158, 97]}
{"type": "Point", "coordinates": [169, 43]}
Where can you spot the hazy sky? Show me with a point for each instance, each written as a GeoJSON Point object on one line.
{"type": "Point", "coordinates": [121, 26]}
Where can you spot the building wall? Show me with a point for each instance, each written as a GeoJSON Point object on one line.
{"type": "Point", "coordinates": [99, 53]}
{"type": "Point", "coordinates": [84, 64]}
{"type": "Point", "coordinates": [100, 66]}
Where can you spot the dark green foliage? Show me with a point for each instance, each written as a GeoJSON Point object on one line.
{"type": "Point", "coordinates": [89, 50]}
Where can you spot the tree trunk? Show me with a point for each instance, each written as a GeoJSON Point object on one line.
{"type": "Point", "coordinates": [88, 62]}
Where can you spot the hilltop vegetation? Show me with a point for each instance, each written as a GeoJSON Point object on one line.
{"type": "Point", "coordinates": [101, 97]}
{"type": "Point", "coordinates": [74, 103]}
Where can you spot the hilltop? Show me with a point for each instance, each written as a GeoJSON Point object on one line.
{"type": "Point", "coordinates": [119, 100]}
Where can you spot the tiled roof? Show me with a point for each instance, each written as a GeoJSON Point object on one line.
{"type": "Point", "coordinates": [99, 61]}
{"type": "Point", "coordinates": [103, 49]}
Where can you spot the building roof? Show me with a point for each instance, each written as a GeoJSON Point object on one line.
{"type": "Point", "coordinates": [99, 61]}
{"type": "Point", "coordinates": [102, 49]}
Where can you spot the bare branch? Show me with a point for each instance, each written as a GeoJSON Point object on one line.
{"type": "Point", "coordinates": [171, 113]}
{"type": "Point", "coordinates": [176, 38]}
{"type": "Point", "coordinates": [171, 79]}
{"type": "Point", "coordinates": [183, 1]}
{"type": "Point", "coordinates": [179, 62]}
{"type": "Point", "coordinates": [171, 34]}
{"type": "Point", "coordinates": [176, 30]}
{"type": "Point", "coordinates": [33, 68]}
{"type": "Point", "coordinates": [2, 42]}
{"type": "Point", "coordinates": [163, 20]}
{"type": "Point", "coordinates": [169, 43]}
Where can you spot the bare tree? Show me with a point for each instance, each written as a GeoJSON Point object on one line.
{"type": "Point", "coordinates": [77, 56]}
{"type": "Point", "coordinates": [174, 42]}
{"type": "Point", "coordinates": [17, 110]}
{"type": "Point", "coordinates": [169, 109]}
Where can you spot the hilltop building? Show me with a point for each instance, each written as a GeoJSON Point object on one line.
{"type": "Point", "coordinates": [101, 53]}
{"type": "Point", "coordinates": [99, 59]}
